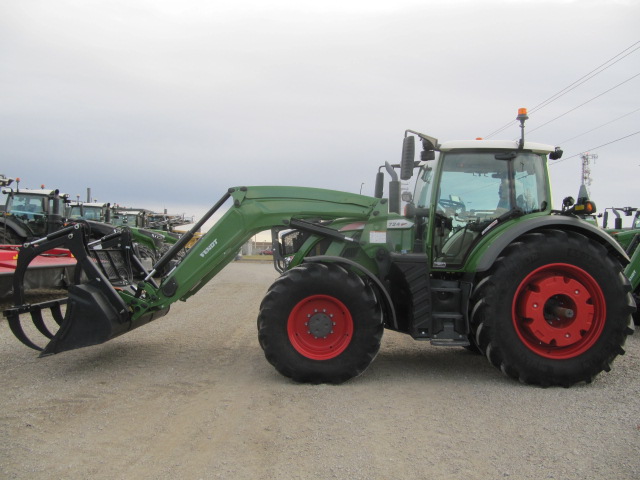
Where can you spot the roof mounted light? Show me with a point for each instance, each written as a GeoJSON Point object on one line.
{"type": "Point", "coordinates": [522, 116]}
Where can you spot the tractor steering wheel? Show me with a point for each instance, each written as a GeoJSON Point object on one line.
{"type": "Point", "coordinates": [452, 204]}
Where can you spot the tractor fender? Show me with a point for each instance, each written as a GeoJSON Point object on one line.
{"type": "Point", "coordinates": [558, 222]}
{"type": "Point", "coordinates": [381, 292]}
{"type": "Point", "coordinates": [15, 227]}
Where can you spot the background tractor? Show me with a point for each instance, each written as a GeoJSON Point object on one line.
{"type": "Point", "coordinates": [627, 234]}
{"type": "Point", "coordinates": [30, 214]}
{"type": "Point", "coordinates": [96, 211]}
{"type": "Point", "coordinates": [618, 213]}
{"type": "Point", "coordinates": [477, 259]}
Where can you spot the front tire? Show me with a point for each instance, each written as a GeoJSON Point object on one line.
{"type": "Point", "coordinates": [320, 323]}
{"type": "Point", "coordinates": [555, 309]}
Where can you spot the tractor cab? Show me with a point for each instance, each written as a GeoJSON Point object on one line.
{"type": "Point", "coordinates": [130, 218]}
{"type": "Point", "coordinates": [99, 212]}
{"type": "Point", "coordinates": [33, 213]}
{"type": "Point", "coordinates": [471, 188]}
{"type": "Point", "coordinates": [466, 189]}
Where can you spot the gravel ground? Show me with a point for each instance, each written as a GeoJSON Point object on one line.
{"type": "Point", "coordinates": [191, 396]}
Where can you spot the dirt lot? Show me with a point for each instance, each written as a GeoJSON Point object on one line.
{"type": "Point", "coordinates": [191, 396]}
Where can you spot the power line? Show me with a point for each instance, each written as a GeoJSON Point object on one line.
{"type": "Point", "coordinates": [574, 85]}
{"type": "Point", "coordinates": [583, 104]}
{"type": "Point", "coordinates": [596, 128]}
{"type": "Point", "coordinates": [501, 129]}
{"type": "Point", "coordinates": [595, 148]}
{"type": "Point", "coordinates": [585, 78]}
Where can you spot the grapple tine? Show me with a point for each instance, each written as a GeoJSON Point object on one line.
{"type": "Point", "coordinates": [56, 313]}
{"type": "Point", "coordinates": [35, 310]}
{"type": "Point", "coordinates": [38, 321]}
{"type": "Point", "coordinates": [13, 318]}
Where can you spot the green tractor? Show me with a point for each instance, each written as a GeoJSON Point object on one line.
{"type": "Point", "coordinates": [30, 213]}
{"type": "Point", "coordinates": [477, 259]}
{"type": "Point", "coordinates": [152, 242]}
{"type": "Point", "coordinates": [628, 236]}
{"type": "Point", "coordinates": [96, 211]}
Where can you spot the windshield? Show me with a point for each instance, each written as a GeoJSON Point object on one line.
{"type": "Point", "coordinates": [27, 206]}
{"type": "Point", "coordinates": [74, 212]}
{"type": "Point", "coordinates": [92, 213]}
{"type": "Point", "coordinates": [475, 188]}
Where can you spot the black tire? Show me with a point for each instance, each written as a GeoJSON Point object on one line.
{"type": "Point", "coordinates": [554, 309]}
{"type": "Point", "coordinates": [7, 237]}
{"type": "Point", "coordinates": [320, 323]}
{"type": "Point", "coordinates": [472, 347]}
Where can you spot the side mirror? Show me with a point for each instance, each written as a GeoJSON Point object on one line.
{"type": "Point", "coordinates": [557, 154]}
{"type": "Point", "coordinates": [408, 154]}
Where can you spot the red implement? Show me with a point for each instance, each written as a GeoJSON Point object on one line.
{"type": "Point", "coordinates": [52, 269]}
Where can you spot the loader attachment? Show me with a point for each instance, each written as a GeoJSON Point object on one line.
{"type": "Point", "coordinates": [95, 311]}
{"type": "Point", "coordinates": [111, 294]}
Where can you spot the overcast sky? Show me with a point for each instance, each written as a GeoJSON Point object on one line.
{"type": "Point", "coordinates": [166, 104]}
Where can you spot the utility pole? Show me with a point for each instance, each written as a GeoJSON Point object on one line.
{"type": "Point", "coordinates": [586, 170]}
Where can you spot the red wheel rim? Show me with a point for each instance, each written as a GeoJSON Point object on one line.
{"type": "Point", "coordinates": [320, 327]}
{"type": "Point", "coordinates": [559, 311]}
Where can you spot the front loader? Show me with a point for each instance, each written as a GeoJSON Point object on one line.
{"type": "Point", "coordinates": [477, 259]}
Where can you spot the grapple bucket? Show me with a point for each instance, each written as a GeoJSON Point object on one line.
{"type": "Point", "coordinates": [94, 311]}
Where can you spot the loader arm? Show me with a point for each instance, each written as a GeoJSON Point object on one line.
{"type": "Point", "coordinates": [108, 305]}
{"type": "Point", "coordinates": [255, 209]}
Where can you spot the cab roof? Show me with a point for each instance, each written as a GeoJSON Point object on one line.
{"type": "Point", "coordinates": [494, 144]}
{"type": "Point", "coordinates": [88, 204]}
{"type": "Point", "coordinates": [29, 191]}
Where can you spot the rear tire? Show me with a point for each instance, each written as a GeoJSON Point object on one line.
{"type": "Point", "coordinates": [320, 323]}
{"type": "Point", "coordinates": [555, 309]}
